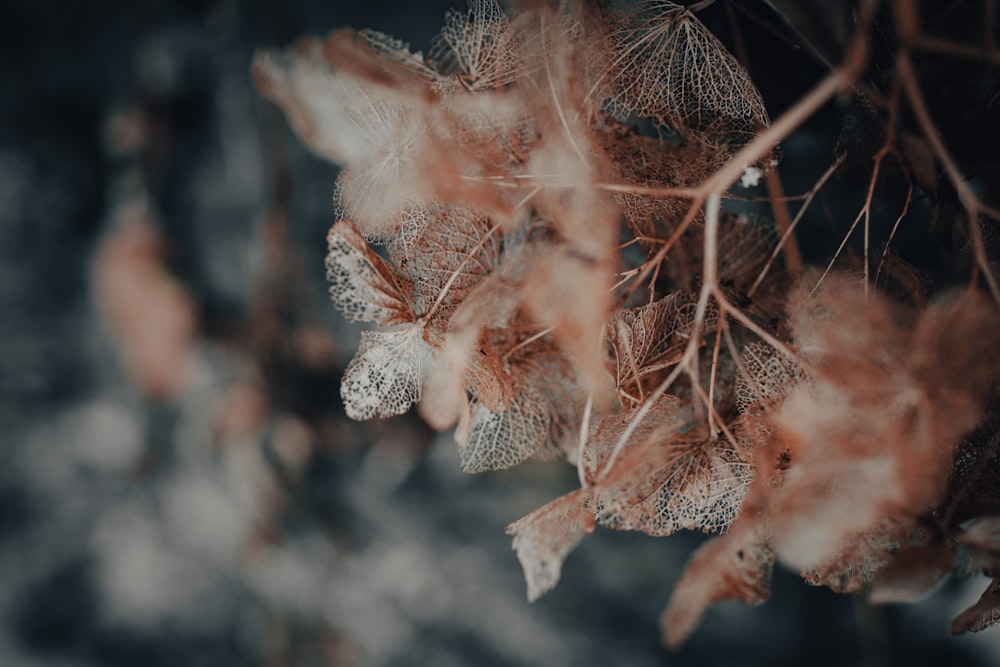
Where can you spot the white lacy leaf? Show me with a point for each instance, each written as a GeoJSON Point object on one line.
{"type": "Point", "coordinates": [386, 375]}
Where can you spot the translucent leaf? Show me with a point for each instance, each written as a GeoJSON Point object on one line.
{"type": "Point", "coordinates": [670, 68]}
{"type": "Point", "coordinates": [449, 252]}
{"type": "Point", "coordinates": [863, 556]}
{"type": "Point", "coordinates": [545, 537]}
{"type": "Point", "coordinates": [663, 418]}
{"type": "Point", "coordinates": [504, 438]}
{"type": "Point", "coordinates": [736, 566]}
{"type": "Point", "coordinates": [487, 305]}
{"type": "Point", "coordinates": [645, 161]}
{"type": "Point", "coordinates": [387, 373]}
{"type": "Point", "coordinates": [571, 294]}
{"type": "Point", "coordinates": [769, 377]}
{"type": "Point", "coordinates": [340, 115]}
{"type": "Point", "coordinates": [651, 338]}
{"type": "Point", "coordinates": [540, 410]}
{"type": "Point", "coordinates": [398, 51]}
{"type": "Point", "coordinates": [683, 480]}
{"type": "Point", "coordinates": [875, 430]}
{"type": "Point", "coordinates": [362, 285]}
{"type": "Point", "coordinates": [478, 46]}
{"type": "Point", "coordinates": [365, 110]}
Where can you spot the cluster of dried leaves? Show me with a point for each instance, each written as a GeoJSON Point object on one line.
{"type": "Point", "coordinates": [557, 284]}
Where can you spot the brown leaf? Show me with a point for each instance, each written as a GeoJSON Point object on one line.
{"type": "Point", "coordinates": [670, 68]}
{"type": "Point", "coordinates": [675, 481]}
{"type": "Point", "coordinates": [571, 294]}
{"type": "Point", "coordinates": [362, 285]}
{"type": "Point", "coordinates": [736, 566]}
{"type": "Point", "coordinates": [981, 615]}
{"type": "Point", "coordinates": [536, 412]}
{"type": "Point", "coordinates": [545, 537]}
{"type": "Point", "coordinates": [912, 572]}
{"type": "Point", "coordinates": [649, 339]}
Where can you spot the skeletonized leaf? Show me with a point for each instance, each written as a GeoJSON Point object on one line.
{"type": "Point", "coordinates": [387, 373]}
{"type": "Point", "coordinates": [537, 412]}
{"type": "Point", "coordinates": [651, 338]}
{"type": "Point", "coordinates": [369, 110]}
{"type": "Point", "coordinates": [663, 418]}
{"type": "Point", "coordinates": [545, 537]}
{"type": "Point", "coordinates": [451, 251]}
{"type": "Point", "coordinates": [670, 68]}
{"type": "Point", "coordinates": [863, 556]}
{"type": "Point", "coordinates": [398, 51]}
{"type": "Point", "coordinates": [768, 378]}
{"type": "Point", "coordinates": [673, 482]}
{"type": "Point", "coordinates": [504, 438]}
{"type": "Point", "coordinates": [362, 285]}
{"type": "Point", "coordinates": [981, 615]}
{"type": "Point", "coordinates": [644, 161]}
{"type": "Point", "coordinates": [342, 116]}
{"type": "Point", "coordinates": [478, 47]}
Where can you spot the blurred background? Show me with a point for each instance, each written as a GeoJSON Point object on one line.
{"type": "Point", "coordinates": [179, 484]}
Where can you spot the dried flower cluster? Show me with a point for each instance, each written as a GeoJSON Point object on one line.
{"type": "Point", "coordinates": [557, 284]}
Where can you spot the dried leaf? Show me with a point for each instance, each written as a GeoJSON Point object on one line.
{"type": "Point", "coordinates": [535, 413]}
{"type": "Point", "coordinates": [670, 68]}
{"type": "Point", "coordinates": [981, 615]}
{"type": "Point", "coordinates": [912, 572]}
{"type": "Point", "coordinates": [863, 556]}
{"type": "Point", "coordinates": [450, 251]}
{"type": "Point", "coordinates": [545, 537]}
{"type": "Point", "coordinates": [386, 375]}
{"type": "Point", "coordinates": [362, 285]}
{"type": "Point", "coordinates": [675, 481]}
{"type": "Point", "coordinates": [665, 416]}
{"type": "Point", "coordinates": [736, 566]}
{"type": "Point", "coordinates": [477, 46]}
{"type": "Point", "coordinates": [768, 377]}
{"type": "Point", "coordinates": [651, 338]}
{"type": "Point", "coordinates": [571, 294]}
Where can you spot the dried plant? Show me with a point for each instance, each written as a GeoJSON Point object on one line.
{"type": "Point", "coordinates": [557, 284]}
